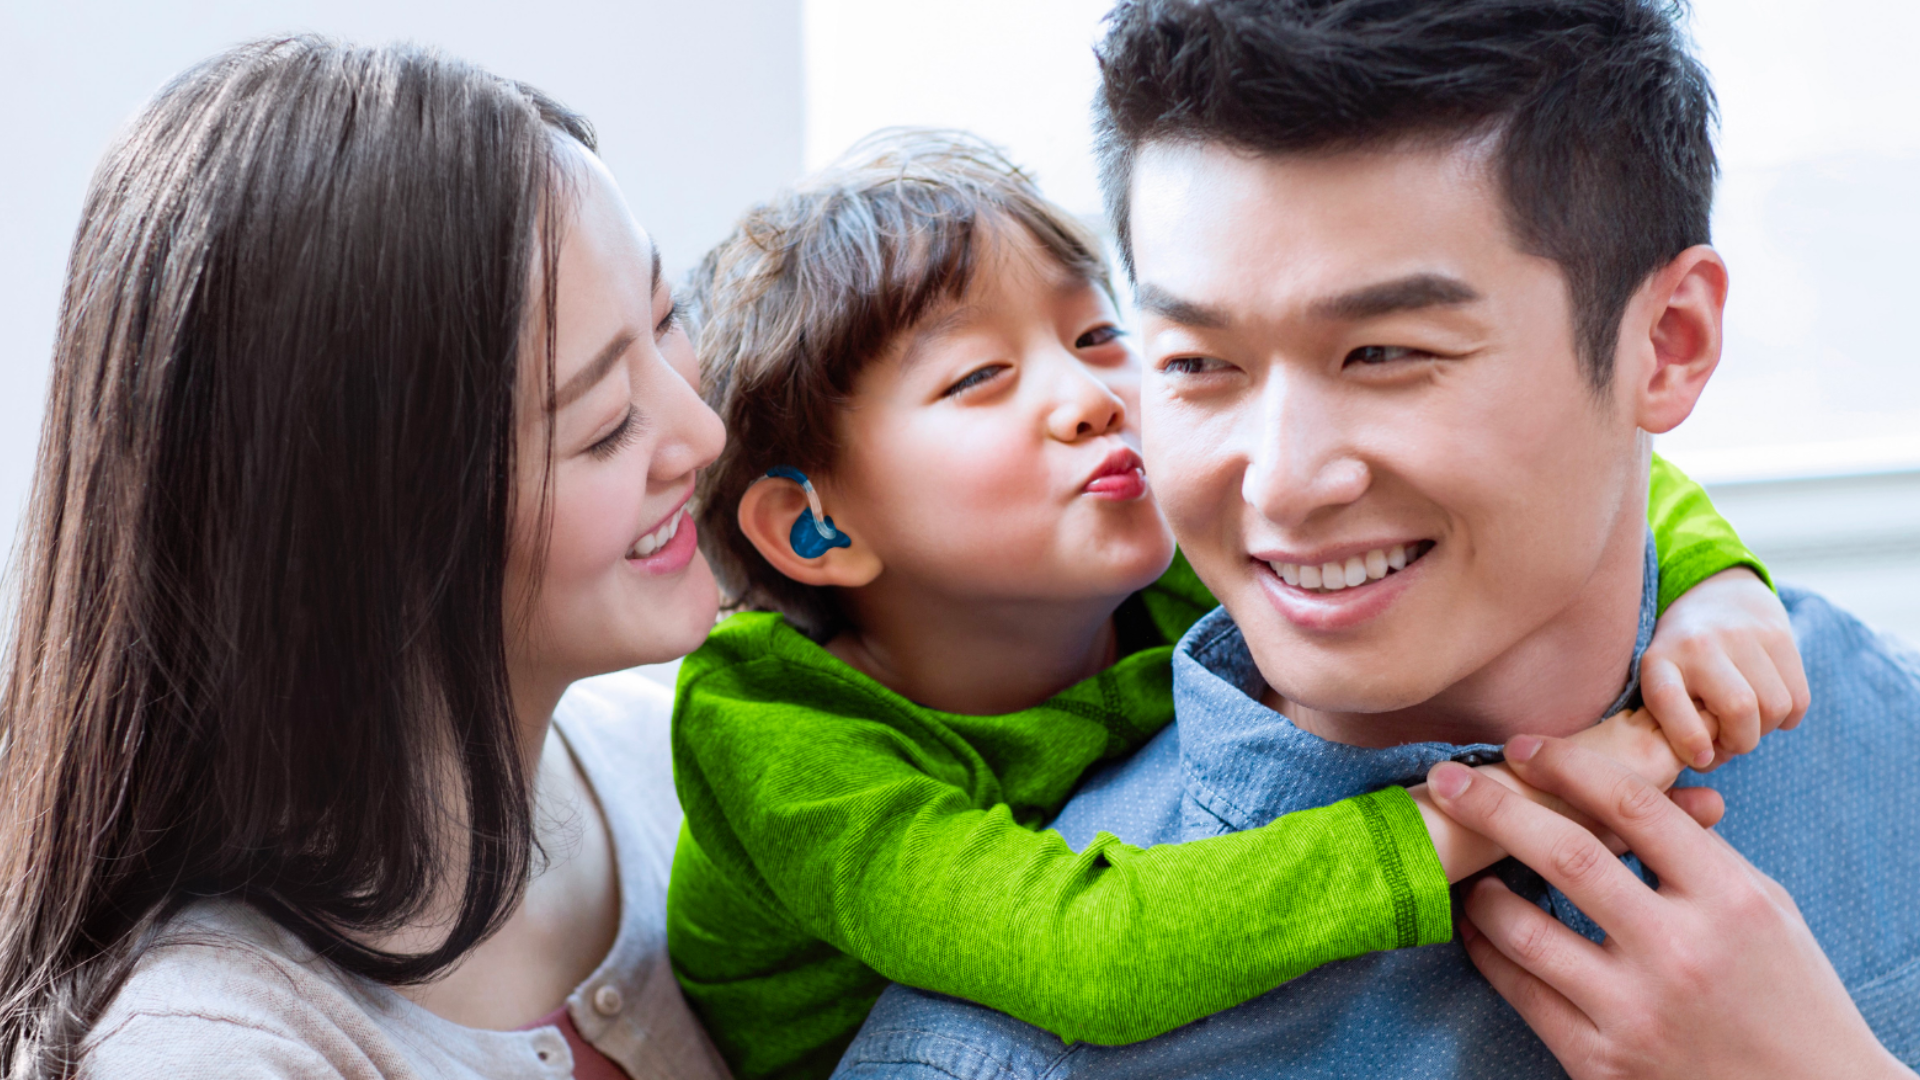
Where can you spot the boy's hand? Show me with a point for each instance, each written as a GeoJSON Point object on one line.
{"type": "Point", "coordinates": [1723, 669]}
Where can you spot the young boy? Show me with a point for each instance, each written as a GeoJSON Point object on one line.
{"type": "Point", "coordinates": [868, 757]}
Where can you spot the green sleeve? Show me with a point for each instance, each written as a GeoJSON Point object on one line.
{"type": "Point", "coordinates": [1694, 541]}
{"type": "Point", "coordinates": [887, 840]}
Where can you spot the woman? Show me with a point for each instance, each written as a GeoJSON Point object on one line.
{"type": "Point", "coordinates": [371, 430]}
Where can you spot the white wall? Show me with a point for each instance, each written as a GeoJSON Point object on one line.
{"type": "Point", "coordinates": [698, 107]}
{"type": "Point", "coordinates": [1018, 72]}
{"type": "Point", "coordinates": [1818, 219]}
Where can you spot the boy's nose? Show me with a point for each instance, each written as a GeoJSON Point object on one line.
{"type": "Point", "coordinates": [1087, 409]}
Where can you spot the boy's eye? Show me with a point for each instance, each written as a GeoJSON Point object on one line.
{"type": "Point", "coordinates": [1098, 336]}
{"type": "Point", "coordinates": [974, 378]}
{"type": "Point", "coordinates": [1384, 354]}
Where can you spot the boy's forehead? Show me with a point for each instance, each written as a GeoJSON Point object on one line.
{"type": "Point", "coordinates": [1009, 282]}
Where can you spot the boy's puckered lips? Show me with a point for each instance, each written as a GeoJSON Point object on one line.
{"type": "Point", "coordinates": [1120, 477]}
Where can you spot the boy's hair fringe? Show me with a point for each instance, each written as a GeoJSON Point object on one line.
{"type": "Point", "coordinates": [818, 283]}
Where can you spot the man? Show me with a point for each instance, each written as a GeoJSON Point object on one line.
{"type": "Point", "coordinates": [1430, 273]}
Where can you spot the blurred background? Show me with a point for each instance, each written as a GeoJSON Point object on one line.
{"type": "Point", "coordinates": [1808, 438]}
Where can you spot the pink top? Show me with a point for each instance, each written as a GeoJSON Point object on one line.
{"type": "Point", "coordinates": [588, 1063]}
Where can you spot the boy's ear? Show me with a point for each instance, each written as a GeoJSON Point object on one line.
{"type": "Point", "coordinates": [1671, 337]}
{"type": "Point", "coordinates": [767, 513]}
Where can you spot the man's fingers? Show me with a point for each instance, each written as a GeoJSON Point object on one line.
{"type": "Point", "coordinates": [1536, 941]}
{"type": "Point", "coordinates": [1557, 1020]}
{"type": "Point", "coordinates": [1665, 692]}
{"type": "Point", "coordinates": [1561, 851]}
{"type": "Point", "coordinates": [1666, 839]}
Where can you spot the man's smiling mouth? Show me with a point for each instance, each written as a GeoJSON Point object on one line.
{"type": "Point", "coordinates": [1352, 572]}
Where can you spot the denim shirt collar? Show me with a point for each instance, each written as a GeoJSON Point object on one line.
{"type": "Point", "coordinates": [1247, 764]}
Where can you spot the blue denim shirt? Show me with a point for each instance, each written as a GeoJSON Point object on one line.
{"type": "Point", "coordinates": [1830, 809]}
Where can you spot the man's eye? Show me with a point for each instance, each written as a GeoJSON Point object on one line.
{"type": "Point", "coordinates": [1384, 354]}
{"type": "Point", "coordinates": [1098, 336]}
{"type": "Point", "coordinates": [1194, 365]}
{"type": "Point", "coordinates": [974, 378]}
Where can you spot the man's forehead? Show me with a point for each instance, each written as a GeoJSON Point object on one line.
{"type": "Point", "coordinates": [1208, 221]}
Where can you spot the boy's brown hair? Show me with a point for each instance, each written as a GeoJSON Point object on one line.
{"type": "Point", "coordinates": [818, 283]}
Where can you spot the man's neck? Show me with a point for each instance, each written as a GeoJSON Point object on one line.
{"type": "Point", "coordinates": [1555, 681]}
{"type": "Point", "coordinates": [976, 658]}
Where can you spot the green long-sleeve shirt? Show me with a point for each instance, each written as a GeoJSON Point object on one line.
{"type": "Point", "coordinates": [839, 836]}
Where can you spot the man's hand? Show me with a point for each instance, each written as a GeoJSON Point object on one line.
{"type": "Point", "coordinates": [1713, 975]}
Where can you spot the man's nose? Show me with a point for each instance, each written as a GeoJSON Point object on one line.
{"type": "Point", "coordinates": [1084, 406]}
{"type": "Point", "coordinates": [1301, 458]}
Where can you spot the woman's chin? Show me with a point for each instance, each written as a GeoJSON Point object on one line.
{"type": "Point", "coordinates": [681, 623]}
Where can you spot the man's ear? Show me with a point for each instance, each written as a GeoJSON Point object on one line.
{"type": "Point", "coordinates": [767, 513]}
{"type": "Point", "coordinates": [1671, 336]}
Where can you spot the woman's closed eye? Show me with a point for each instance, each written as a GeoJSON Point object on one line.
{"type": "Point", "coordinates": [671, 321]}
{"type": "Point", "coordinates": [977, 377]}
{"type": "Point", "coordinates": [619, 438]}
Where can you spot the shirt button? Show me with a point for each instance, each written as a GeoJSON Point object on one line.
{"type": "Point", "coordinates": [607, 1000]}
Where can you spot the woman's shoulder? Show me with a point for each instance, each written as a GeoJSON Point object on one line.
{"type": "Point", "coordinates": [224, 991]}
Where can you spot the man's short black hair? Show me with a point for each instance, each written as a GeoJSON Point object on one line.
{"type": "Point", "coordinates": [1601, 117]}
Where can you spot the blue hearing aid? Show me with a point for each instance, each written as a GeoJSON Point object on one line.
{"type": "Point", "coordinates": [813, 533]}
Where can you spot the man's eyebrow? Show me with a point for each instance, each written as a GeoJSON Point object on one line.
{"type": "Point", "coordinates": [1410, 293]}
{"type": "Point", "coordinates": [589, 377]}
{"type": "Point", "coordinates": [1155, 300]}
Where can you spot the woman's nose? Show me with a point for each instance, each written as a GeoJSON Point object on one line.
{"type": "Point", "coordinates": [694, 434]}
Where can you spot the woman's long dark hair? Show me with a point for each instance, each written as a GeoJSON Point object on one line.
{"type": "Point", "coordinates": [259, 649]}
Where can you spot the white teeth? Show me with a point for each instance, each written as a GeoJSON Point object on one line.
{"type": "Point", "coordinates": [659, 537]}
{"type": "Point", "coordinates": [1334, 576]}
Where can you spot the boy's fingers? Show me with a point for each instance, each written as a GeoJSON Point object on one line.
{"type": "Point", "coordinates": [1666, 695]}
{"type": "Point", "coordinates": [1716, 681]}
{"type": "Point", "coordinates": [1759, 667]}
{"type": "Point", "coordinates": [1703, 805]}
{"type": "Point", "coordinates": [1561, 851]}
{"type": "Point", "coordinates": [1785, 654]}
